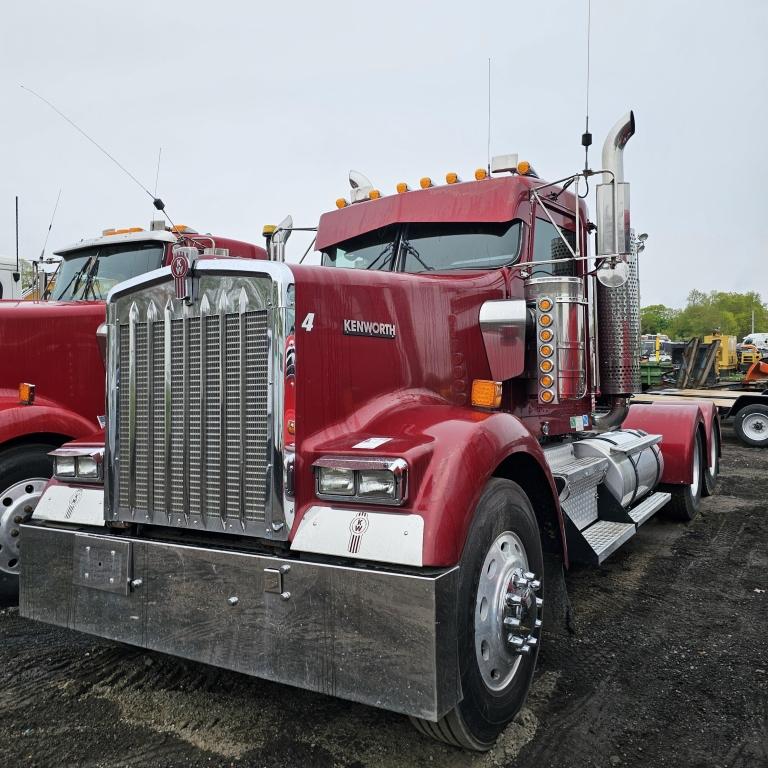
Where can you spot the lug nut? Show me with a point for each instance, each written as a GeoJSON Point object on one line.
{"type": "Point", "coordinates": [513, 600]}
{"type": "Point", "coordinates": [535, 585]}
{"type": "Point", "coordinates": [537, 623]}
{"type": "Point", "coordinates": [539, 602]}
{"type": "Point", "coordinates": [512, 622]}
{"type": "Point", "coordinates": [531, 640]}
{"type": "Point", "coordinates": [528, 575]}
{"type": "Point", "coordinates": [515, 640]}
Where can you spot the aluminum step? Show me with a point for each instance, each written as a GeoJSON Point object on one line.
{"type": "Point", "coordinates": [579, 469]}
{"type": "Point", "coordinates": [648, 507]}
{"type": "Point", "coordinates": [605, 537]}
{"type": "Point", "coordinates": [635, 446]}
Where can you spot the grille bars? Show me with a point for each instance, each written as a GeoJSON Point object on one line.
{"type": "Point", "coordinates": [167, 407]}
{"type": "Point", "coordinates": [133, 318]}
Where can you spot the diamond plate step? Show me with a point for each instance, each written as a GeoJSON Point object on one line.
{"type": "Point", "coordinates": [648, 507]}
{"type": "Point", "coordinates": [635, 446]}
{"type": "Point", "coordinates": [605, 537]}
{"type": "Point", "coordinates": [578, 469]}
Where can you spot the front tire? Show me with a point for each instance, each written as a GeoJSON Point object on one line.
{"type": "Point", "coordinates": [24, 472]}
{"type": "Point", "coordinates": [498, 618]}
{"type": "Point", "coordinates": [751, 425]}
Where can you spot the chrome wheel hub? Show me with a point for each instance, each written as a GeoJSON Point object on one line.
{"type": "Point", "coordinates": [507, 611]}
{"type": "Point", "coordinates": [16, 506]}
{"type": "Point", "coordinates": [755, 426]}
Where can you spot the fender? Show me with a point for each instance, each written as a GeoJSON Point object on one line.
{"type": "Point", "coordinates": [17, 420]}
{"type": "Point", "coordinates": [452, 452]}
{"type": "Point", "coordinates": [677, 424]}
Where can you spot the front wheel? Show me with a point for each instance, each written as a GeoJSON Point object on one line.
{"type": "Point", "coordinates": [24, 472]}
{"type": "Point", "coordinates": [751, 425]}
{"type": "Point", "coordinates": [498, 618]}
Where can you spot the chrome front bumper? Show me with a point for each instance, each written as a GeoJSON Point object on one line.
{"type": "Point", "coordinates": [381, 638]}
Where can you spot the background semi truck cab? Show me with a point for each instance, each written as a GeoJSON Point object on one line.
{"type": "Point", "coordinates": [52, 371]}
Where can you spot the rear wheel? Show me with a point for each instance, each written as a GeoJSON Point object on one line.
{"type": "Point", "coordinates": [751, 425]}
{"type": "Point", "coordinates": [686, 499]}
{"type": "Point", "coordinates": [24, 472]}
{"type": "Point", "coordinates": [498, 618]}
{"type": "Point", "coordinates": [711, 468]}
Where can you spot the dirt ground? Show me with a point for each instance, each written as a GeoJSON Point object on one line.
{"type": "Point", "coordinates": [669, 667]}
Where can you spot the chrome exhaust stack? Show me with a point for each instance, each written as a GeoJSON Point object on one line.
{"type": "Point", "coordinates": [618, 291]}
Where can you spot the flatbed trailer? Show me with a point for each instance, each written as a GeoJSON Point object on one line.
{"type": "Point", "coordinates": [747, 410]}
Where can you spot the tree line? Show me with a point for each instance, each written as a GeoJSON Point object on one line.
{"type": "Point", "coordinates": [730, 313]}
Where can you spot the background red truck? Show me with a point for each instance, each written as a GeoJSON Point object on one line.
{"type": "Point", "coordinates": [50, 347]}
{"type": "Point", "coordinates": [350, 477]}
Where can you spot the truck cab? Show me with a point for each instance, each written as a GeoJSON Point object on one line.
{"type": "Point", "coordinates": [348, 477]}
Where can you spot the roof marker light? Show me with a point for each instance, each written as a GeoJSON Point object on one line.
{"type": "Point", "coordinates": [402, 187]}
{"type": "Point", "coordinates": [374, 194]}
{"type": "Point", "coordinates": [481, 174]}
{"type": "Point", "coordinates": [425, 182]}
{"type": "Point", "coordinates": [523, 167]}
{"type": "Point", "coordinates": [452, 178]}
{"type": "Point", "coordinates": [341, 203]}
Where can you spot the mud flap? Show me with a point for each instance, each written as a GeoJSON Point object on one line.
{"type": "Point", "coordinates": [558, 611]}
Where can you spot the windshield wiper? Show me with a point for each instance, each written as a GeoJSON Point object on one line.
{"type": "Point", "coordinates": [409, 249]}
{"type": "Point", "coordinates": [76, 278]}
{"type": "Point", "coordinates": [390, 248]}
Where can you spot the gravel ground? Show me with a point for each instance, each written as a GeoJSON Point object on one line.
{"type": "Point", "coordinates": [669, 666]}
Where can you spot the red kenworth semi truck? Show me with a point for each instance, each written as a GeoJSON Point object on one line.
{"type": "Point", "coordinates": [348, 477]}
{"type": "Point", "coordinates": [52, 370]}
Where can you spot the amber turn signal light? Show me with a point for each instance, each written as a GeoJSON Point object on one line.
{"type": "Point", "coordinates": [26, 394]}
{"type": "Point", "coordinates": [545, 350]}
{"type": "Point", "coordinates": [486, 394]}
{"type": "Point", "coordinates": [545, 320]}
{"type": "Point", "coordinates": [546, 335]}
{"type": "Point", "coordinates": [547, 396]}
{"type": "Point", "coordinates": [546, 380]}
{"type": "Point", "coordinates": [546, 366]}
{"type": "Point", "coordinates": [545, 305]}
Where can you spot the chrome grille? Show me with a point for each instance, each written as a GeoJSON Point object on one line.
{"type": "Point", "coordinates": [192, 433]}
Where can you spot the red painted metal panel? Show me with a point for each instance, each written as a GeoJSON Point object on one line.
{"type": "Point", "coordinates": [677, 424]}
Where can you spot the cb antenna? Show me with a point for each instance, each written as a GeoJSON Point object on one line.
{"type": "Point", "coordinates": [489, 116]}
{"type": "Point", "coordinates": [586, 137]}
{"type": "Point", "coordinates": [157, 173]}
{"type": "Point", "coordinates": [48, 233]}
{"type": "Point", "coordinates": [156, 201]}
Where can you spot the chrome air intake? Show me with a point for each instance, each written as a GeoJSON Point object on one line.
{"type": "Point", "coordinates": [195, 400]}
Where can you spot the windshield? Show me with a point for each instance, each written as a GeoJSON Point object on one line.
{"type": "Point", "coordinates": [373, 250]}
{"type": "Point", "coordinates": [92, 272]}
{"type": "Point", "coordinates": [430, 247]}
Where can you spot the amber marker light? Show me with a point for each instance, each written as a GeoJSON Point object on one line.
{"type": "Point", "coordinates": [452, 178]}
{"type": "Point", "coordinates": [26, 394]}
{"type": "Point", "coordinates": [545, 320]}
{"type": "Point", "coordinates": [481, 174]}
{"type": "Point", "coordinates": [425, 182]}
{"type": "Point", "coordinates": [402, 187]}
{"type": "Point", "coordinates": [545, 305]}
{"type": "Point", "coordinates": [545, 334]}
{"type": "Point", "coordinates": [486, 394]}
{"type": "Point", "coordinates": [523, 167]}
{"type": "Point", "coordinates": [341, 203]}
{"type": "Point", "coordinates": [546, 380]}
{"type": "Point", "coordinates": [545, 350]}
{"type": "Point", "coordinates": [546, 366]}
{"type": "Point", "coordinates": [268, 229]}
{"type": "Point", "coordinates": [374, 194]}
{"type": "Point", "coordinates": [547, 396]}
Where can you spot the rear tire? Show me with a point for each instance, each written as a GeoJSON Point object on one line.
{"type": "Point", "coordinates": [503, 545]}
{"type": "Point", "coordinates": [711, 468]}
{"type": "Point", "coordinates": [24, 472]}
{"type": "Point", "coordinates": [686, 499]}
{"type": "Point", "coordinates": [751, 425]}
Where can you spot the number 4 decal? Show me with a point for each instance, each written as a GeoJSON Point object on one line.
{"type": "Point", "coordinates": [309, 322]}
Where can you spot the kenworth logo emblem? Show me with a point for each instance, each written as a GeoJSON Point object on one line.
{"type": "Point", "coordinates": [73, 502]}
{"type": "Point", "coordinates": [180, 270]}
{"type": "Point", "coordinates": [368, 328]}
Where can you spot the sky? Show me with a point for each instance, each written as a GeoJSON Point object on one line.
{"type": "Point", "coordinates": [261, 109]}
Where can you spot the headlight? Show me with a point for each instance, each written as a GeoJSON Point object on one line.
{"type": "Point", "coordinates": [64, 466]}
{"type": "Point", "coordinates": [372, 480]}
{"type": "Point", "coordinates": [78, 464]}
{"type": "Point", "coordinates": [336, 482]}
{"type": "Point", "coordinates": [377, 482]}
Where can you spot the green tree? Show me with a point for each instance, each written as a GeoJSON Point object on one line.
{"type": "Point", "coordinates": [657, 318]}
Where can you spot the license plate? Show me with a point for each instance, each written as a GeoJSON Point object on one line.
{"type": "Point", "coordinates": [102, 563]}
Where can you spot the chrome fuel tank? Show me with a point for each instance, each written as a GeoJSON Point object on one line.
{"type": "Point", "coordinates": [635, 463]}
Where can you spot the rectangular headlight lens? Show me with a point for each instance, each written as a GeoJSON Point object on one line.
{"type": "Point", "coordinates": [64, 466]}
{"type": "Point", "coordinates": [336, 482]}
{"type": "Point", "coordinates": [87, 467]}
{"type": "Point", "coordinates": [376, 482]}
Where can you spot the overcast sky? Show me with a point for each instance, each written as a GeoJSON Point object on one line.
{"type": "Point", "coordinates": [262, 108]}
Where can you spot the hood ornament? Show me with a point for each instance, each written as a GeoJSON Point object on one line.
{"type": "Point", "coordinates": [181, 268]}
